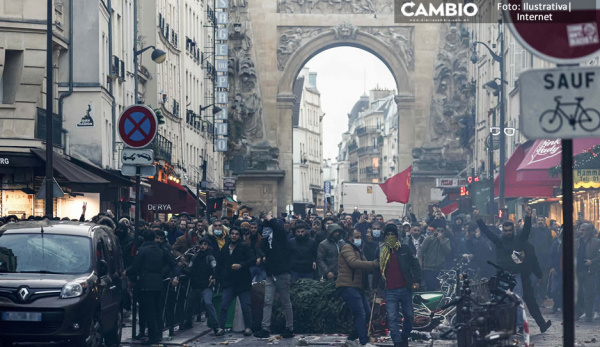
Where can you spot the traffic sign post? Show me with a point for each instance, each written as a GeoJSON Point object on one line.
{"type": "Point", "coordinates": [137, 127]}
{"type": "Point", "coordinates": [137, 157]}
{"type": "Point", "coordinates": [562, 104]}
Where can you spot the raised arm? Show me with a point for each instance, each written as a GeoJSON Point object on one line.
{"type": "Point", "coordinates": [524, 235]}
{"type": "Point", "coordinates": [355, 262]}
{"type": "Point", "coordinates": [485, 230]}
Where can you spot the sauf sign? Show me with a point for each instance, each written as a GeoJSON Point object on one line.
{"type": "Point", "coordinates": [560, 103]}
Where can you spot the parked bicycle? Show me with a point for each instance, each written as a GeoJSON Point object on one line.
{"type": "Point", "coordinates": [587, 118]}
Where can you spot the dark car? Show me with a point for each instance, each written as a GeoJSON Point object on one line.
{"type": "Point", "coordinates": [60, 282]}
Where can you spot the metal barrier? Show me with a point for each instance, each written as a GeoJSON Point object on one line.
{"type": "Point", "coordinates": [174, 305]}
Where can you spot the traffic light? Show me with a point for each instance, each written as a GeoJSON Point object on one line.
{"type": "Point", "coordinates": [503, 213]}
{"type": "Point", "coordinates": [214, 204]}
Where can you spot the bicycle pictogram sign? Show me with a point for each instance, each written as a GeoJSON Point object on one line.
{"type": "Point", "coordinates": [587, 119]}
{"type": "Point", "coordinates": [137, 126]}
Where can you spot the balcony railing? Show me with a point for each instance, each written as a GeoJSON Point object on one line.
{"type": "Point", "coordinates": [369, 170]}
{"type": "Point", "coordinates": [366, 130]}
{"type": "Point", "coordinates": [40, 127]}
{"type": "Point", "coordinates": [162, 148]}
{"type": "Point", "coordinates": [369, 150]}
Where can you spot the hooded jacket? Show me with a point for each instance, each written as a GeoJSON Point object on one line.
{"type": "Point", "coordinates": [328, 250]}
{"type": "Point", "coordinates": [217, 243]}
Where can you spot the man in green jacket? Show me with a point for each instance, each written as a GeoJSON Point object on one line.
{"type": "Point", "coordinates": [432, 254]}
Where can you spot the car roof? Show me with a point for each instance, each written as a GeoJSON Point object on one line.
{"type": "Point", "coordinates": [50, 227]}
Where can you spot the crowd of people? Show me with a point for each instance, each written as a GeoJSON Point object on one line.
{"type": "Point", "coordinates": [358, 250]}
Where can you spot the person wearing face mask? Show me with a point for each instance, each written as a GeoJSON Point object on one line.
{"type": "Point", "coordinates": [218, 234]}
{"type": "Point", "coordinates": [401, 274]}
{"type": "Point", "coordinates": [303, 254]}
{"type": "Point", "coordinates": [327, 252]}
{"type": "Point", "coordinates": [349, 285]}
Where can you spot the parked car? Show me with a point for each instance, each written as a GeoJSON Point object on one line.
{"type": "Point", "coordinates": [60, 281]}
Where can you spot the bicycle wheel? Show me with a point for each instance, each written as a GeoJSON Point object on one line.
{"type": "Point", "coordinates": [551, 121]}
{"type": "Point", "coordinates": [592, 121]}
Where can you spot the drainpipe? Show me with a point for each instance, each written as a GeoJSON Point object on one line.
{"type": "Point", "coordinates": [111, 85]}
{"type": "Point", "coordinates": [62, 97]}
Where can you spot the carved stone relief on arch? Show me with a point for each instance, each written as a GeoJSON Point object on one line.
{"type": "Point", "coordinates": [399, 39]}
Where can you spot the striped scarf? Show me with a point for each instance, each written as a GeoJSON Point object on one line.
{"type": "Point", "coordinates": [391, 244]}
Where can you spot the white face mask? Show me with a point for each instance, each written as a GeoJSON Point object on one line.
{"type": "Point", "coordinates": [376, 233]}
{"type": "Point", "coordinates": [218, 232]}
{"type": "Point", "coordinates": [358, 242]}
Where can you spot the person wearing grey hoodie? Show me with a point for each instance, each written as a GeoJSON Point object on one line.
{"type": "Point", "coordinates": [327, 252]}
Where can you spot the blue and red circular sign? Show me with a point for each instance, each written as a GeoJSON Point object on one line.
{"type": "Point", "coordinates": [137, 126]}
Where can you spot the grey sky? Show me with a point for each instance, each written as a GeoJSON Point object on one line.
{"type": "Point", "coordinates": [343, 75]}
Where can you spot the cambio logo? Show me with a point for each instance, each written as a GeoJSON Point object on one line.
{"type": "Point", "coordinates": [410, 9]}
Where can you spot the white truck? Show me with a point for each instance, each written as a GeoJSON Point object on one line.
{"type": "Point", "coordinates": [369, 197]}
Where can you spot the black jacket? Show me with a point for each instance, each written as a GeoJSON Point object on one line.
{"type": "Point", "coordinates": [277, 254]}
{"type": "Point", "coordinates": [170, 268]}
{"type": "Point", "coordinates": [504, 247]}
{"type": "Point", "coordinates": [302, 254]}
{"type": "Point", "coordinates": [408, 264]}
{"type": "Point", "coordinates": [201, 268]}
{"type": "Point", "coordinates": [147, 266]}
{"type": "Point", "coordinates": [240, 280]}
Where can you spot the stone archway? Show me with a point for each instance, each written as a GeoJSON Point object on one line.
{"type": "Point", "coordinates": [393, 45]}
{"type": "Point", "coordinates": [269, 42]}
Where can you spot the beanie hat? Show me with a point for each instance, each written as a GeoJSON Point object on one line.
{"type": "Point", "coordinates": [390, 228]}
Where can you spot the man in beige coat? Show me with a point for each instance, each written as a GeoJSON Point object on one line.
{"type": "Point", "coordinates": [349, 285]}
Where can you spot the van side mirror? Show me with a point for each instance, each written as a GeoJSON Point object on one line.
{"type": "Point", "coordinates": [102, 268]}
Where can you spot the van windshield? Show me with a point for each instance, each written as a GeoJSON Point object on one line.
{"type": "Point", "coordinates": [32, 253]}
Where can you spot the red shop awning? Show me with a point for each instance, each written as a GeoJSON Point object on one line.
{"type": "Point", "coordinates": [515, 189]}
{"type": "Point", "coordinates": [545, 154]}
{"type": "Point", "coordinates": [169, 198]}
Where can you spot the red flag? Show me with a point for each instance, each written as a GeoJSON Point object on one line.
{"type": "Point", "coordinates": [448, 209]}
{"type": "Point", "coordinates": [397, 188]}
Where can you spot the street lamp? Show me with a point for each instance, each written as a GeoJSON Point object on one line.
{"type": "Point", "coordinates": [499, 88]}
{"type": "Point", "coordinates": [158, 55]}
